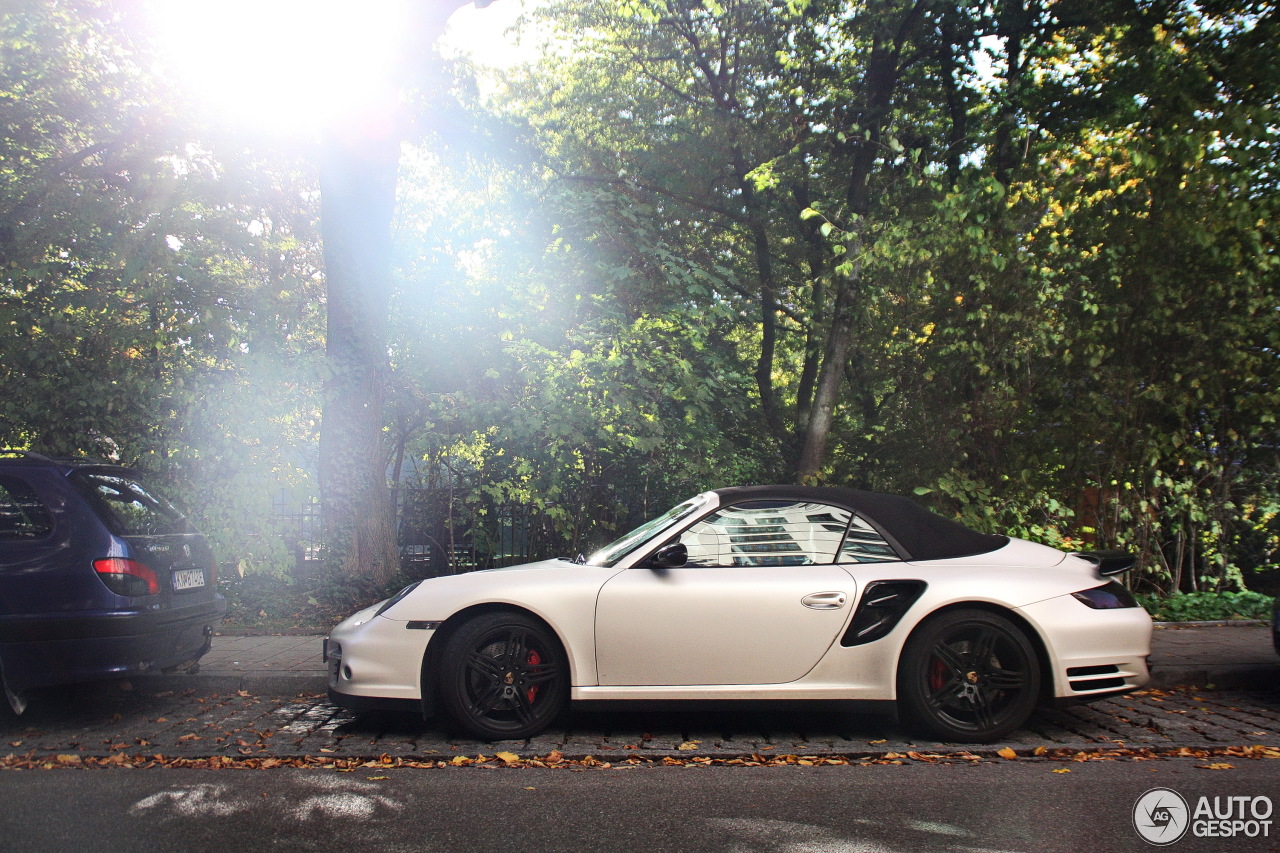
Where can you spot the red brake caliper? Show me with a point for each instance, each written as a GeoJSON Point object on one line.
{"type": "Point", "coordinates": [533, 660]}
{"type": "Point", "coordinates": [937, 674]}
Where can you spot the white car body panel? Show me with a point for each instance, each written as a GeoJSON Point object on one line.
{"type": "Point", "coordinates": [718, 625]}
{"type": "Point", "coordinates": [1121, 638]}
{"type": "Point", "coordinates": [561, 593]}
{"type": "Point", "coordinates": [387, 659]}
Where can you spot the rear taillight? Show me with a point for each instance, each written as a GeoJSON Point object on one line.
{"type": "Point", "coordinates": [1110, 596]}
{"type": "Point", "coordinates": [126, 577]}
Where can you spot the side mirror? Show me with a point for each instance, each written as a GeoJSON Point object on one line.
{"type": "Point", "coordinates": [670, 556]}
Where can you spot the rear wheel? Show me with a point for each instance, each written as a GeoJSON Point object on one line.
{"type": "Point", "coordinates": [503, 675]}
{"type": "Point", "coordinates": [969, 676]}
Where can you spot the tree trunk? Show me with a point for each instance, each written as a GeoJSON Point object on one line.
{"type": "Point", "coordinates": [827, 393]}
{"type": "Point", "coordinates": [357, 200]}
{"type": "Point", "coordinates": [357, 182]}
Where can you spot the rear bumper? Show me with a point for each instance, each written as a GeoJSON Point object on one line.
{"type": "Point", "coordinates": [1092, 654]}
{"type": "Point", "coordinates": [49, 649]}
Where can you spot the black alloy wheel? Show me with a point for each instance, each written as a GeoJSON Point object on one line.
{"type": "Point", "coordinates": [968, 676]}
{"type": "Point", "coordinates": [503, 675]}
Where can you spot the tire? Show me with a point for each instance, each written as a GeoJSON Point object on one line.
{"type": "Point", "coordinates": [503, 676]}
{"type": "Point", "coordinates": [968, 675]}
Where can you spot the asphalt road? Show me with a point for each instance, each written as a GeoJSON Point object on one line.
{"type": "Point", "coordinates": [1032, 805]}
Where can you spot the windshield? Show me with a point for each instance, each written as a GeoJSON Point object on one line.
{"type": "Point", "coordinates": [611, 554]}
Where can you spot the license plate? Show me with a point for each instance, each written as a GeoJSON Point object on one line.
{"type": "Point", "coordinates": [188, 579]}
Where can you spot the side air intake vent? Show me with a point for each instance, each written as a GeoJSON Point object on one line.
{"type": "Point", "coordinates": [883, 604]}
{"type": "Point", "coordinates": [1087, 678]}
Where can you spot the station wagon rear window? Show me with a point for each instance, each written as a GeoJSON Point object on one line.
{"type": "Point", "coordinates": [129, 508]}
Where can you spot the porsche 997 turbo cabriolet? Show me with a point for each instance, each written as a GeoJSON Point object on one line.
{"type": "Point", "coordinates": [754, 593]}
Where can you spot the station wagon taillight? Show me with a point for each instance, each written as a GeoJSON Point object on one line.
{"type": "Point", "coordinates": [126, 577]}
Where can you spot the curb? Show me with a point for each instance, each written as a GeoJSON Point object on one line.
{"type": "Point", "coordinates": [1226, 678]}
{"type": "Point", "coordinates": [1213, 623]}
{"type": "Point", "coordinates": [275, 684]}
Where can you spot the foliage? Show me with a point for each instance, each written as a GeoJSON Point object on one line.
{"type": "Point", "coordinates": [159, 296]}
{"type": "Point", "coordinates": [1207, 607]}
{"type": "Point", "coordinates": [1016, 259]}
{"type": "Point", "coordinates": [1051, 281]}
{"type": "Point", "coordinates": [262, 603]}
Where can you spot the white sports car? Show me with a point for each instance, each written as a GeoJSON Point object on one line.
{"type": "Point", "coordinates": [759, 592]}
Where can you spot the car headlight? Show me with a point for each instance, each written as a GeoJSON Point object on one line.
{"type": "Point", "coordinates": [1109, 596]}
{"type": "Point", "coordinates": [395, 599]}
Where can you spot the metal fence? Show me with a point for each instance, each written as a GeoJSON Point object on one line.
{"type": "Point", "coordinates": [436, 531]}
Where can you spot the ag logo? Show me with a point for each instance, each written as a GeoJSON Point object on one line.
{"type": "Point", "coordinates": [1161, 816]}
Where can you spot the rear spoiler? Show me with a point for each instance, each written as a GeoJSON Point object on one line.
{"type": "Point", "coordinates": [1109, 563]}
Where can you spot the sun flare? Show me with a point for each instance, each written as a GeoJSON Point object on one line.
{"type": "Point", "coordinates": [283, 65]}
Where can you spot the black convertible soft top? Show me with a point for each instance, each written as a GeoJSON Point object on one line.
{"type": "Point", "coordinates": [914, 531]}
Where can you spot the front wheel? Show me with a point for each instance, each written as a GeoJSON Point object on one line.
{"type": "Point", "coordinates": [502, 676]}
{"type": "Point", "coordinates": [969, 676]}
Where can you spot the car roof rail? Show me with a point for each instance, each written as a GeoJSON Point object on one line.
{"type": "Point", "coordinates": [25, 454]}
{"type": "Point", "coordinates": [74, 461]}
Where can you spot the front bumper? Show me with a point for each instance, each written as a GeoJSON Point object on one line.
{"type": "Point", "coordinates": [376, 663]}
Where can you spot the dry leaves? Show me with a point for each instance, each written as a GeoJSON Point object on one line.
{"type": "Point", "coordinates": [1215, 759]}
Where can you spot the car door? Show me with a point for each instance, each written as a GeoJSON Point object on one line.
{"type": "Point", "coordinates": [31, 557]}
{"type": "Point", "coordinates": [759, 601]}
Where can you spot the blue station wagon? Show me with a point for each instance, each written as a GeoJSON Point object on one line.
{"type": "Point", "coordinates": [100, 577]}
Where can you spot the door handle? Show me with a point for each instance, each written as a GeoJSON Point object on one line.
{"type": "Point", "coordinates": [825, 600]}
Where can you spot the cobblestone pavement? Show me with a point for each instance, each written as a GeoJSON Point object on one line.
{"type": "Point", "coordinates": [105, 720]}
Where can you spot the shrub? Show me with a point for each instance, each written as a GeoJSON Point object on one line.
{"type": "Point", "coordinates": [1207, 606]}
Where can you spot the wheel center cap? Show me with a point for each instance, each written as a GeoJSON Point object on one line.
{"type": "Point", "coordinates": [509, 678]}
{"type": "Point", "coordinates": [971, 677]}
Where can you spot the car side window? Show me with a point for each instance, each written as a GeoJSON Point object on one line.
{"type": "Point", "coordinates": [767, 533]}
{"type": "Point", "coordinates": [864, 544]}
{"type": "Point", "coordinates": [22, 514]}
